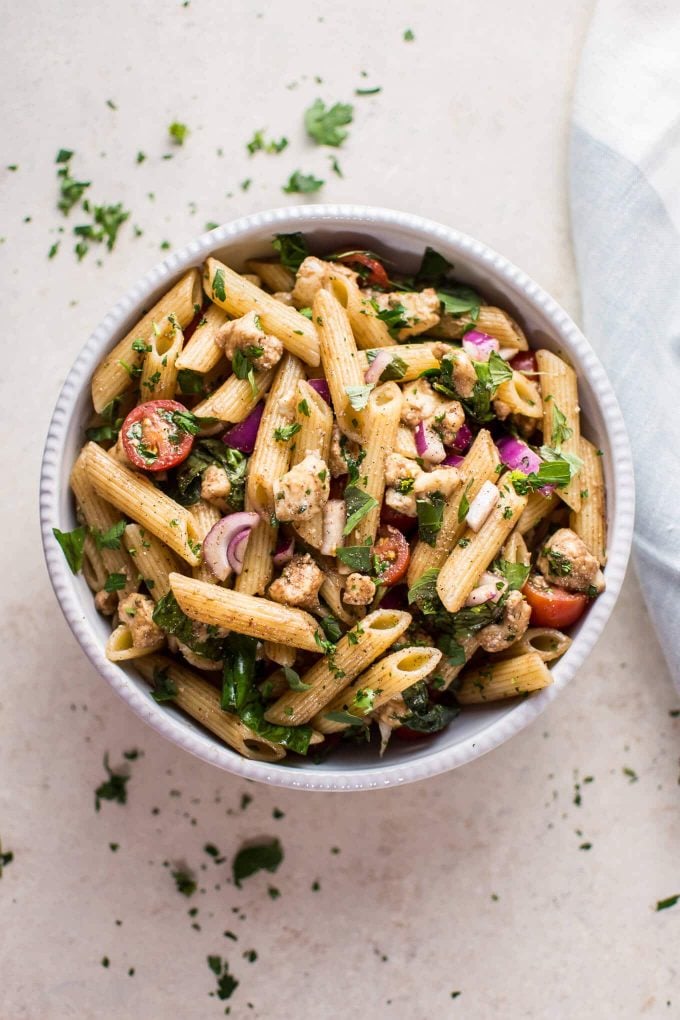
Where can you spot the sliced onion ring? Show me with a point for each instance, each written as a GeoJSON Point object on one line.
{"type": "Point", "coordinates": [284, 552]}
{"type": "Point", "coordinates": [242, 436]}
{"type": "Point", "coordinates": [489, 589]}
{"type": "Point", "coordinates": [463, 439]}
{"type": "Point", "coordinates": [224, 545]}
{"type": "Point", "coordinates": [321, 387]}
{"type": "Point", "coordinates": [429, 445]}
{"type": "Point", "coordinates": [378, 366]}
{"type": "Point", "coordinates": [516, 455]}
{"type": "Point", "coordinates": [452, 460]}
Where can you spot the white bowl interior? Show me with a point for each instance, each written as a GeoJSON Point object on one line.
{"type": "Point", "coordinates": [402, 239]}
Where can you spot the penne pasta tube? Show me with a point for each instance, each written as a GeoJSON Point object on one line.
{"type": "Point", "coordinates": [258, 561]}
{"type": "Point", "coordinates": [465, 564]}
{"type": "Point", "coordinates": [274, 276]}
{"type": "Point", "coordinates": [546, 642]}
{"type": "Point", "coordinates": [506, 678]}
{"type": "Point", "coordinates": [561, 418]}
{"type": "Point", "coordinates": [158, 380]}
{"type": "Point", "coordinates": [315, 419]}
{"type": "Point", "coordinates": [153, 559]}
{"type": "Point", "coordinates": [417, 358]}
{"type": "Point", "coordinates": [491, 320]}
{"type": "Point", "coordinates": [405, 443]}
{"type": "Point", "coordinates": [331, 592]}
{"type": "Point", "coordinates": [450, 673]}
{"type": "Point", "coordinates": [515, 549]}
{"type": "Point", "coordinates": [235, 398]}
{"type": "Point", "coordinates": [332, 673]}
{"type": "Point", "coordinates": [538, 506]}
{"type": "Point", "coordinates": [378, 685]}
{"type": "Point", "coordinates": [201, 353]}
{"type": "Point", "coordinates": [100, 516]}
{"type": "Point", "coordinates": [201, 701]}
{"type": "Point", "coordinates": [340, 361]}
{"type": "Point", "coordinates": [206, 515]}
{"type": "Point", "coordinates": [94, 571]}
{"type": "Point", "coordinates": [139, 499]}
{"type": "Point", "coordinates": [382, 421]}
{"type": "Point", "coordinates": [260, 618]}
{"type": "Point", "coordinates": [120, 647]}
{"type": "Point", "coordinates": [479, 466]}
{"type": "Point", "coordinates": [116, 373]}
{"type": "Point", "coordinates": [521, 395]}
{"type": "Point", "coordinates": [590, 522]}
{"type": "Point", "coordinates": [271, 457]}
{"type": "Point", "coordinates": [238, 297]}
{"type": "Point", "coordinates": [369, 331]}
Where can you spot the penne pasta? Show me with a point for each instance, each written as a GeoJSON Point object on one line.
{"type": "Point", "coordinates": [201, 701]}
{"type": "Point", "coordinates": [158, 380]}
{"type": "Point", "coordinates": [466, 563]}
{"type": "Point", "coordinates": [505, 678]}
{"type": "Point", "coordinates": [206, 515]}
{"type": "Point", "coordinates": [201, 353]}
{"type": "Point", "coordinates": [590, 522]}
{"type": "Point", "coordinates": [117, 372]}
{"type": "Point", "coordinates": [561, 418]}
{"type": "Point", "coordinates": [274, 276]}
{"type": "Point", "coordinates": [521, 395]}
{"type": "Point", "coordinates": [382, 420]}
{"type": "Point", "coordinates": [369, 331]}
{"type": "Point", "coordinates": [271, 456]}
{"type": "Point", "coordinates": [315, 420]}
{"type": "Point", "coordinates": [120, 646]}
{"type": "Point", "coordinates": [237, 297]}
{"type": "Point", "coordinates": [547, 642]}
{"type": "Point", "coordinates": [258, 561]}
{"type": "Point", "coordinates": [491, 320]}
{"type": "Point", "coordinates": [538, 506]}
{"type": "Point", "coordinates": [255, 617]}
{"type": "Point", "coordinates": [377, 686]}
{"type": "Point", "coordinates": [154, 561]}
{"type": "Point", "coordinates": [352, 655]}
{"type": "Point", "coordinates": [340, 361]}
{"type": "Point", "coordinates": [235, 398]}
{"type": "Point", "coordinates": [143, 502]}
{"type": "Point", "coordinates": [479, 466]}
{"type": "Point", "coordinates": [416, 358]}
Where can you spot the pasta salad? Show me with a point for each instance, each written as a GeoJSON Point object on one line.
{"type": "Point", "coordinates": [323, 501]}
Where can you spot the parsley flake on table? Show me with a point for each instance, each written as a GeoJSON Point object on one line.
{"type": "Point", "coordinates": [409, 37]}
{"type": "Point", "coordinates": [114, 788]}
{"type": "Point", "coordinates": [326, 124]}
{"type": "Point", "coordinates": [226, 982]}
{"type": "Point", "coordinates": [185, 882]}
{"type": "Point", "coordinates": [302, 184]}
{"type": "Point", "coordinates": [178, 132]}
{"type": "Point", "coordinates": [258, 143]}
{"type": "Point", "coordinates": [262, 856]}
{"type": "Point", "coordinates": [6, 857]}
{"type": "Point", "coordinates": [670, 901]}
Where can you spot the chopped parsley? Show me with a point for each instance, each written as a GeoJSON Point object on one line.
{"type": "Point", "coordinates": [258, 143]}
{"type": "Point", "coordinates": [358, 395]}
{"type": "Point", "coordinates": [293, 680]}
{"type": "Point", "coordinates": [368, 92]}
{"type": "Point", "coordinates": [164, 689]}
{"type": "Point", "coordinates": [326, 125]}
{"type": "Point", "coordinates": [430, 516]}
{"type": "Point", "coordinates": [394, 370]}
{"type": "Point", "coordinates": [242, 364]}
{"type": "Point", "coordinates": [109, 539]}
{"type": "Point", "coordinates": [226, 982]}
{"type": "Point", "coordinates": [218, 285]}
{"type": "Point", "coordinates": [303, 408]}
{"type": "Point", "coordinates": [356, 557]}
{"type": "Point", "coordinates": [560, 431]}
{"type": "Point", "coordinates": [265, 855]}
{"type": "Point", "coordinates": [359, 504]}
{"type": "Point", "coordinates": [408, 35]}
{"type": "Point", "coordinates": [178, 132]}
{"type": "Point", "coordinates": [114, 788]}
{"type": "Point", "coordinates": [115, 582]}
{"type": "Point", "coordinates": [670, 901]}
{"type": "Point", "coordinates": [292, 249]}
{"type": "Point", "coordinates": [190, 382]}
{"type": "Point", "coordinates": [559, 564]}
{"type": "Point", "coordinates": [302, 184]}
{"type": "Point", "coordinates": [72, 543]}
{"type": "Point", "coordinates": [514, 573]}
{"type": "Point", "coordinates": [464, 505]}
{"type": "Point", "coordinates": [394, 318]}
{"type": "Point", "coordinates": [286, 432]}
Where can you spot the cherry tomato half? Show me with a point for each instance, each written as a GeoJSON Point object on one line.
{"type": "Point", "coordinates": [552, 606]}
{"type": "Point", "coordinates": [391, 549]}
{"type": "Point", "coordinates": [152, 439]}
{"type": "Point", "coordinates": [371, 271]}
{"type": "Point", "coordinates": [397, 520]}
{"type": "Point", "coordinates": [525, 361]}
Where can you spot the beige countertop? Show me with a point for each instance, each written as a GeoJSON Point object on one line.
{"type": "Point", "coordinates": [475, 882]}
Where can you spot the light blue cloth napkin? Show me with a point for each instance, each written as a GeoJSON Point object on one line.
{"type": "Point", "coordinates": [625, 207]}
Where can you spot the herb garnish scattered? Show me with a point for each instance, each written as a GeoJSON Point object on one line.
{"type": "Point", "coordinates": [226, 982]}
{"type": "Point", "coordinates": [170, 618]}
{"type": "Point", "coordinates": [359, 504]}
{"type": "Point", "coordinates": [109, 539]}
{"type": "Point", "coordinates": [326, 124]}
{"type": "Point", "coordinates": [286, 432]}
{"type": "Point", "coordinates": [424, 592]}
{"type": "Point", "coordinates": [670, 901]}
{"type": "Point", "coordinates": [164, 689]}
{"type": "Point", "coordinates": [356, 557]}
{"type": "Point", "coordinates": [115, 582]}
{"type": "Point", "coordinates": [358, 395]}
{"type": "Point", "coordinates": [426, 716]}
{"type": "Point", "coordinates": [430, 516]}
{"type": "Point", "coordinates": [292, 249]}
{"type": "Point", "coordinates": [293, 680]}
{"type": "Point", "coordinates": [72, 543]}
{"type": "Point", "coordinates": [186, 488]}
{"type": "Point", "coordinates": [178, 132]}
{"type": "Point", "coordinates": [114, 788]}
{"type": "Point", "coordinates": [394, 370]}
{"type": "Point", "coordinates": [560, 431]}
{"type": "Point", "coordinates": [258, 144]}
{"type": "Point", "coordinates": [302, 184]}
{"type": "Point", "coordinates": [262, 856]}
{"type": "Point", "coordinates": [185, 881]}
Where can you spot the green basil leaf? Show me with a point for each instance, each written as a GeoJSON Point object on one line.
{"type": "Point", "coordinates": [358, 503]}
{"type": "Point", "coordinates": [72, 543]}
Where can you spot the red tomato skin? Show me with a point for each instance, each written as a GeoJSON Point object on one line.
{"type": "Point", "coordinates": [392, 540]}
{"type": "Point", "coordinates": [169, 454]}
{"type": "Point", "coordinates": [525, 361]}
{"type": "Point", "coordinates": [554, 607]}
{"type": "Point", "coordinates": [393, 518]}
{"type": "Point", "coordinates": [377, 275]}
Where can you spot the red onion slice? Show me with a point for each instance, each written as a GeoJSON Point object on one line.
{"type": "Point", "coordinates": [220, 551]}
{"type": "Point", "coordinates": [516, 455]}
{"type": "Point", "coordinates": [321, 387]}
{"type": "Point", "coordinates": [463, 439]}
{"type": "Point", "coordinates": [284, 552]}
{"type": "Point", "coordinates": [479, 346]}
{"type": "Point", "coordinates": [242, 436]}
{"type": "Point", "coordinates": [378, 366]}
{"type": "Point", "coordinates": [429, 445]}
{"type": "Point", "coordinates": [453, 460]}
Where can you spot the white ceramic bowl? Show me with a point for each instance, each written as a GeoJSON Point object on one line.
{"type": "Point", "coordinates": [402, 237]}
